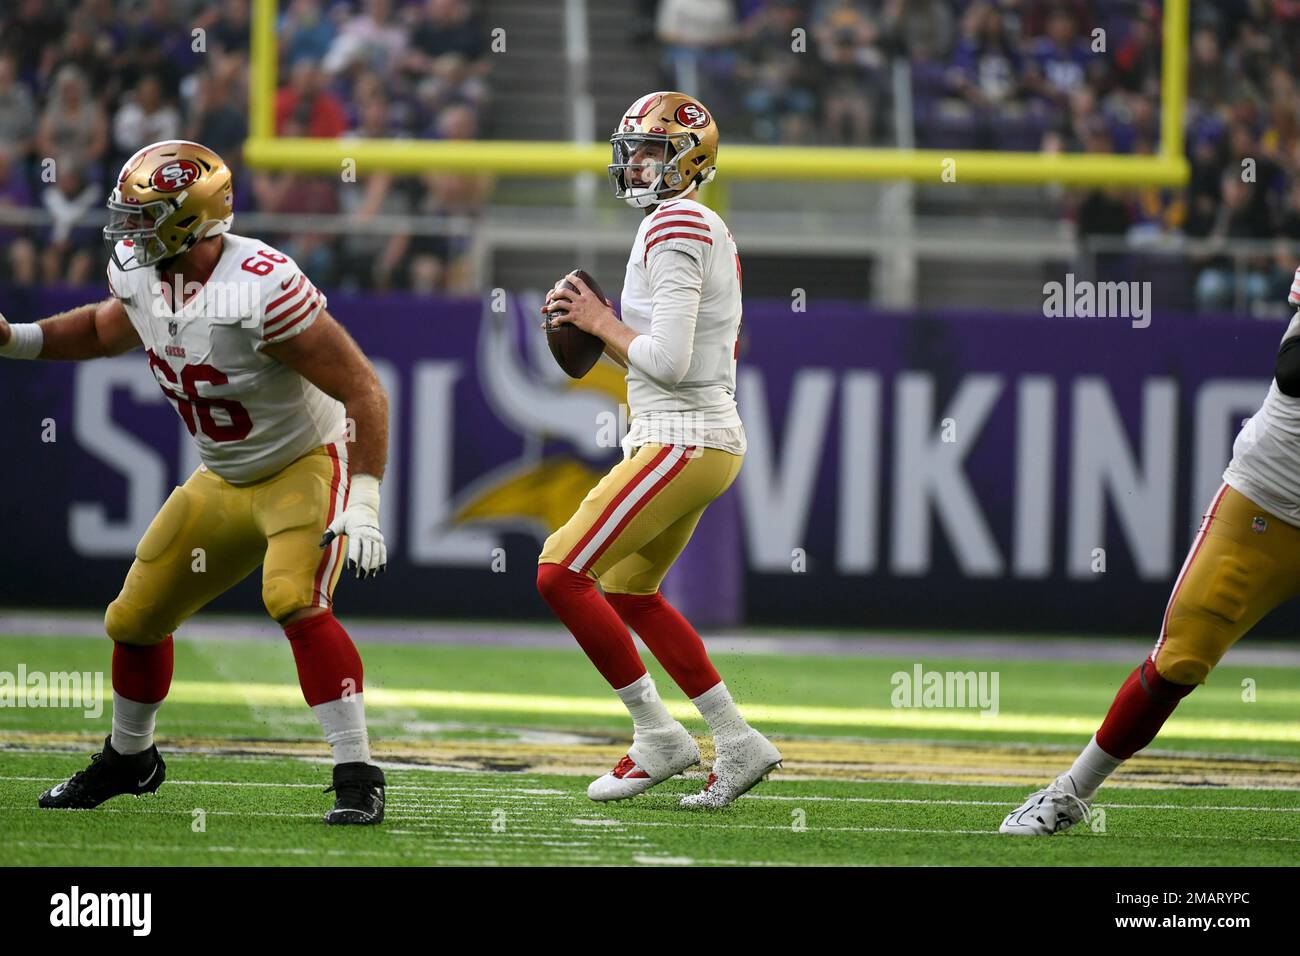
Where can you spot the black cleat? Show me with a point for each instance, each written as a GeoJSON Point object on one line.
{"type": "Point", "coordinates": [358, 794]}
{"type": "Point", "coordinates": [109, 775]}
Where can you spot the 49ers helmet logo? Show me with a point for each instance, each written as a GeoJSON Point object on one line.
{"type": "Point", "coordinates": [692, 116]}
{"type": "Point", "coordinates": [174, 175]}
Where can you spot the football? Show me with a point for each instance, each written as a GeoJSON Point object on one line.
{"type": "Point", "coordinates": [575, 351]}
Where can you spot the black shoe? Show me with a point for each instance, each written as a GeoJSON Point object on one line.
{"type": "Point", "coordinates": [109, 775]}
{"type": "Point", "coordinates": [358, 794]}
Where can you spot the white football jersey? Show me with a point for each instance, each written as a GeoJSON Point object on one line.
{"type": "Point", "coordinates": [1265, 464]}
{"type": "Point", "coordinates": [701, 408]}
{"type": "Point", "coordinates": [250, 415]}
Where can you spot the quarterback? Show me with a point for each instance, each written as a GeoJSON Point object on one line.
{"type": "Point", "coordinates": [678, 340]}
{"type": "Point", "coordinates": [291, 425]}
{"type": "Point", "coordinates": [1244, 562]}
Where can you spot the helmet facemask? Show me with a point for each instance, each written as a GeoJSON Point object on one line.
{"type": "Point", "coordinates": [139, 225]}
{"type": "Point", "coordinates": [666, 179]}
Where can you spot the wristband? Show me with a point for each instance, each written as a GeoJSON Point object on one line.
{"type": "Point", "coordinates": [363, 492]}
{"type": "Point", "coordinates": [25, 341]}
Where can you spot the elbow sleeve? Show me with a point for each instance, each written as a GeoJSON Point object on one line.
{"type": "Point", "coordinates": [1287, 368]}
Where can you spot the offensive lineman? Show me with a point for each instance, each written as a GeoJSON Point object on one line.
{"type": "Point", "coordinates": [263, 378]}
{"type": "Point", "coordinates": [678, 339]}
{"type": "Point", "coordinates": [1244, 562]}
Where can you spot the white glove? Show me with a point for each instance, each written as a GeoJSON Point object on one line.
{"type": "Point", "coordinates": [359, 521]}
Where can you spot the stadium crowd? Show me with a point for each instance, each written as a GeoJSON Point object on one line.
{"type": "Point", "coordinates": [1050, 75]}
{"type": "Point", "coordinates": [84, 82]}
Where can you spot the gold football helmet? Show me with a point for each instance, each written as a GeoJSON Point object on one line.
{"type": "Point", "coordinates": [167, 197]}
{"type": "Point", "coordinates": [665, 145]}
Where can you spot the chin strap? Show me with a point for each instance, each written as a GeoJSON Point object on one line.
{"type": "Point", "coordinates": [639, 197]}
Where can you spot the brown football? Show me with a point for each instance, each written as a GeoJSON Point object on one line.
{"type": "Point", "coordinates": [575, 351]}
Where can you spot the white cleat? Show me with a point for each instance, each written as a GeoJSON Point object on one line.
{"type": "Point", "coordinates": [1048, 811]}
{"type": "Point", "coordinates": [739, 765]}
{"type": "Point", "coordinates": [652, 759]}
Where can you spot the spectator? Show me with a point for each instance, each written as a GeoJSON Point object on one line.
{"type": "Point", "coordinates": [17, 111]}
{"type": "Point", "coordinates": [851, 65]}
{"type": "Point", "coordinates": [293, 193]}
{"type": "Point", "coordinates": [779, 99]}
{"type": "Point", "coordinates": [698, 55]}
{"type": "Point", "coordinates": [217, 122]}
{"type": "Point", "coordinates": [372, 39]}
{"type": "Point", "coordinates": [1221, 285]}
{"type": "Point", "coordinates": [67, 254]}
{"type": "Point", "coordinates": [447, 58]}
{"type": "Point", "coordinates": [19, 262]}
{"type": "Point", "coordinates": [145, 118]}
{"type": "Point", "coordinates": [922, 30]}
{"type": "Point", "coordinates": [307, 95]}
{"type": "Point", "coordinates": [1059, 63]}
{"type": "Point", "coordinates": [73, 126]}
{"type": "Point", "coordinates": [27, 31]}
{"type": "Point", "coordinates": [305, 33]}
{"type": "Point", "coordinates": [440, 262]}
{"type": "Point", "coordinates": [373, 259]}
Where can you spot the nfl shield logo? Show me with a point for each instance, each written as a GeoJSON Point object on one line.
{"type": "Point", "coordinates": [1259, 525]}
{"type": "Point", "coordinates": [171, 328]}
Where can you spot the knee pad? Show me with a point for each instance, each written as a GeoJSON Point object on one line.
{"type": "Point", "coordinates": [1182, 669]}
{"type": "Point", "coordinates": [282, 595]}
{"type": "Point", "coordinates": [126, 624]}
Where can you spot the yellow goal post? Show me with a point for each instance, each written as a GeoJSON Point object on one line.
{"type": "Point", "coordinates": [1168, 167]}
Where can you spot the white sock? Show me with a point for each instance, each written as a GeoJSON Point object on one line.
{"type": "Point", "coordinates": [719, 712]}
{"type": "Point", "coordinates": [1090, 770]}
{"type": "Point", "coordinates": [133, 724]}
{"type": "Point", "coordinates": [344, 723]}
{"type": "Point", "coordinates": [641, 698]}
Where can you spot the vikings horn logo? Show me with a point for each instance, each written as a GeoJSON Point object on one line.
{"type": "Point", "coordinates": [529, 393]}
{"type": "Point", "coordinates": [175, 175]}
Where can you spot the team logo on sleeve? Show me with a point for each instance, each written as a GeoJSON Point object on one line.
{"type": "Point", "coordinates": [692, 116]}
{"type": "Point", "coordinates": [175, 175]}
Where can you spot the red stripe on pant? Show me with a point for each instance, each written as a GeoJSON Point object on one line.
{"type": "Point", "coordinates": [329, 666]}
{"type": "Point", "coordinates": [143, 672]}
{"type": "Point", "coordinates": [600, 632]}
{"type": "Point", "coordinates": [636, 509]}
{"type": "Point", "coordinates": [320, 586]}
{"type": "Point", "coordinates": [670, 637]}
{"type": "Point", "coordinates": [613, 505]}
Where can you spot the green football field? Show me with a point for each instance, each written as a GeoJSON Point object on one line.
{"type": "Point", "coordinates": [488, 751]}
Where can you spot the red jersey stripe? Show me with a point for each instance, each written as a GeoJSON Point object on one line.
{"type": "Point", "coordinates": [274, 336]}
{"type": "Point", "coordinates": [663, 213]}
{"type": "Point", "coordinates": [291, 309]}
{"type": "Point", "coordinates": [270, 306]}
{"type": "Point", "coordinates": [668, 223]}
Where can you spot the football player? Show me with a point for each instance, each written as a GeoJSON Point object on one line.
{"type": "Point", "coordinates": [678, 340]}
{"type": "Point", "coordinates": [273, 391]}
{"type": "Point", "coordinates": [1244, 562]}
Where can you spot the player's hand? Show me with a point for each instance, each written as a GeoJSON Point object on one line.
{"type": "Point", "coordinates": [359, 521]}
{"type": "Point", "coordinates": [5, 334]}
{"type": "Point", "coordinates": [584, 308]}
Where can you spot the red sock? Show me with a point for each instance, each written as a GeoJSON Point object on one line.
{"type": "Point", "coordinates": [1140, 709]}
{"type": "Point", "coordinates": [600, 632]}
{"type": "Point", "coordinates": [670, 638]}
{"type": "Point", "coordinates": [143, 672]}
{"type": "Point", "coordinates": [328, 663]}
